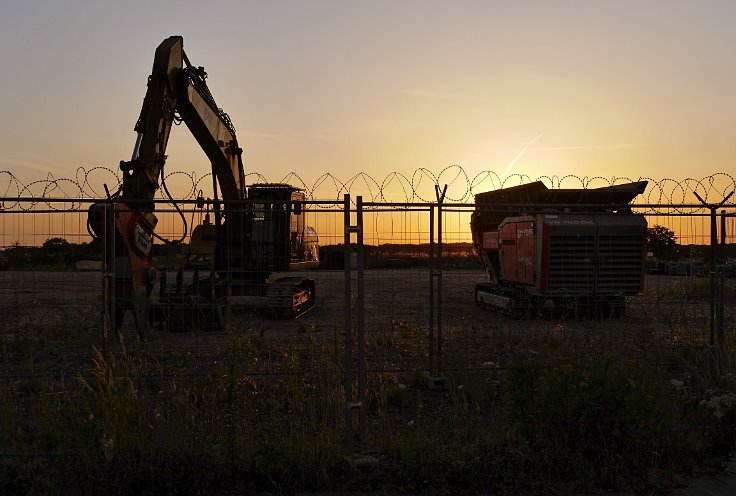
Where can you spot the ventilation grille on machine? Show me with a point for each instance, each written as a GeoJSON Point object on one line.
{"type": "Point", "coordinates": [571, 263]}
{"type": "Point", "coordinates": [619, 264]}
{"type": "Point", "coordinates": [578, 266]}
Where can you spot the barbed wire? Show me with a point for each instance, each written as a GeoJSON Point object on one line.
{"type": "Point", "coordinates": [395, 187]}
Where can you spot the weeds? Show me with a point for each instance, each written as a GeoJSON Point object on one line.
{"type": "Point", "coordinates": [567, 411]}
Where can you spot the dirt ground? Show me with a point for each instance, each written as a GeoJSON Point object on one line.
{"type": "Point", "coordinates": [50, 323]}
{"type": "Point", "coordinates": [57, 315]}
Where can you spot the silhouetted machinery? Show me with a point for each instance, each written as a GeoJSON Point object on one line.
{"type": "Point", "coordinates": [579, 251]}
{"type": "Point", "coordinates": [256, 230]}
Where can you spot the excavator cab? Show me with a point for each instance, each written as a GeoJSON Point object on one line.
{"type": "Point", "coordinates": [278, 232]}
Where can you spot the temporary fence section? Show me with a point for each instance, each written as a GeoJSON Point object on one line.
{"type": "Point", "coordinates": [65, 279]}
{"type": "Point", "coordinates": [395, 288]}
{"type": "Point", "coordinates": [645, 281]}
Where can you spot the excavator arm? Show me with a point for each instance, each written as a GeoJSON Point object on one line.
{"type": "Point", "coordinates": [176, 92]}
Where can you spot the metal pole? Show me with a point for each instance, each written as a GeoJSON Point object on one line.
{"type": "Point", "coordinates": [105, 272]}
{"type": "Point", "coordinates": [440, 200]}
{"type": "Point", "coordinates": [348, 332]}
{"type": "Point", "coordinates": [717, 287]}
{"type": "Point", "coordinates": [430, 355]}
{"type": "Point", "coordinates": [361, 328]}
{"type": "Point", "coordinates": [721, 303]}
{"type": "Point", "coordinates": [714, 297]}
{"type": "Point", "coordinates": [111, 276]}
{"type": "Point", "coordinates": [439, 288]}
{"type": "Point", "coordinates": [723, 231]}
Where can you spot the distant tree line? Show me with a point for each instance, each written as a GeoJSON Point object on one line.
{"type": "Point", "coordinates": [401, 255]}
{"type": "Point", "coordinates": [59, 254]}
{"type": "Point", "coordinates": [54, 253]}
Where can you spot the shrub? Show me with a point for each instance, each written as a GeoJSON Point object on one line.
{"type": "Point", "coordinates": [594, 420]}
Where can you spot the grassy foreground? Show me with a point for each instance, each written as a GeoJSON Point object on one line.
{"type": "Point", "coordinates": [543, 422]}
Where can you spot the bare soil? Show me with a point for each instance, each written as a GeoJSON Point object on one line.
{"type": "Point", "coordinates": [58, 316]}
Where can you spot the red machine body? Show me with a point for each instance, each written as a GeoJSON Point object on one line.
{"type": "Point", "coordinates": [518, 245]}
{"type": "Point", "coordinates": [581, 250]}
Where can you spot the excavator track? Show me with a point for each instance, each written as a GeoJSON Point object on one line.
{"type": "Point", "coordinates": [290, 297]}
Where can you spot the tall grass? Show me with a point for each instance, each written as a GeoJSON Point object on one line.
{"type": "Point", "coordinates": [129, 426]}
{"type": "Point", "coordinates": [562, 413]}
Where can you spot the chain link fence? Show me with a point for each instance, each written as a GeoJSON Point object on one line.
{"type": "Point", "coordinates": [395, 295]}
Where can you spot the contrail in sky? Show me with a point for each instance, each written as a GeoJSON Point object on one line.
{"type": "Point", "coordinates": [575, 147]}
{"type": "Point", "coordinates": [517, 157]}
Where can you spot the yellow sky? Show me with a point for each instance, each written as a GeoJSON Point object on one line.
{"type": "Point", "coordinates": [377, 91]}
{"type": "Point", "coordinates": [586, 88]}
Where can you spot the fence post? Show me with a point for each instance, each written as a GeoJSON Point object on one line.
{"type": "Point", "coordinates": [351, 403]}
{"type": "Point", "coordinates": [430, 351]}
{"type": "Point", "coordinates": [104, 313]}
{"type": "Point", "coordinates": [721, 303]}
{"type": "Point", "coordinates": [108, 275]}
{"type": "Point", "coordinates": [440, 200]}
{"type": "Point", "coordinates": [349, 448]}
{"type": "Point", "coordinates": [714, 282]}
{"type": "Point", "coordinates": [433, 375]}
{"type": "Point", "coordinates": [717, 282]}
{"type": "Point", "coordinates": [361, 328]}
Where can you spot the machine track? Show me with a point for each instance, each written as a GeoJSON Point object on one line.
{"type": "Point", "coordinates": [195, 307]}
{"type": "Point", "coordinates": [520, 305]}
{"type": "Point", "coordinates": [290, 297]}
{"type": "Point", "coordinates": [507, 301]}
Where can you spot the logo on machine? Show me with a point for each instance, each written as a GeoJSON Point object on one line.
{"type": "Point", "coordinates": [142, 241]}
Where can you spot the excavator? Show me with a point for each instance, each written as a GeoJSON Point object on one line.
{"type": "Point", "coordinates": [257, 229]}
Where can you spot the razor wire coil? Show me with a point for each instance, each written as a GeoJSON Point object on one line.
{"type": "Point", "coordinates": [396, 187]}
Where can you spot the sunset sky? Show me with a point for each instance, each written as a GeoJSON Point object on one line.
{"type": "Point", "coordinates": [626, 88]}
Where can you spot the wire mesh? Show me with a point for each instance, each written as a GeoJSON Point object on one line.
{"type": "Point", "coordinates": [52, 282]}
{"type": "Point", "coordinates": [419, 308]}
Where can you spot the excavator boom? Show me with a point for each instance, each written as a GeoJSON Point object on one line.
{"type": "Point", "coordinates": [178, 91]}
